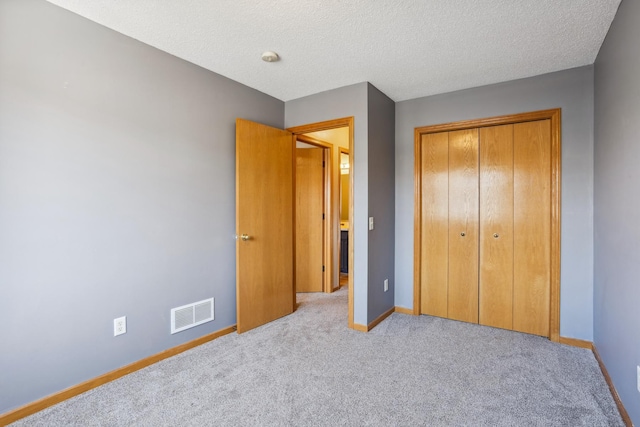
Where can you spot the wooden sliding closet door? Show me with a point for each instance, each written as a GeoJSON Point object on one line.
{"type": "Point", "coordinates": [449, 268]}
{"type": "Point", "coordinates": [463, 226]}
{"type": "Point", "coordinates": [435, 223]}
{"type": "Point", "coordinates": [496, 226]}
{"type": "Point", "coordinates": [532, 226]}
{"type": "Point", "coordinates": [487, 222]}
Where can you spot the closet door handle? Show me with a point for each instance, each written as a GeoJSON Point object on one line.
{"type": "Point", "coordinates": [495, 235]}
{"type": "Point", "coordinates": [463, 234]}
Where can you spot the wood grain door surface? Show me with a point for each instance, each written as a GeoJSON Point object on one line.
{"type": "Point", "coordinates": [532, 226]}
{"type": "Point", "coordinates": [435, 224]}
{"type": "Point", "coordinates": [265, 215]}
{"type": "Point", "coordinates": [309, 219]}
{"type": "Point", "coordinates": [463, 225]}
{"type": "Point", "coordinates": [496, 227]}
{"type": "Point", "coordinates": [486, 225]}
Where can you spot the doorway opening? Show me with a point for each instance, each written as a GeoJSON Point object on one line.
{"type": "Point", "coordinates": [266, 223]}
{"type": "Point", "coordinates": [334, 137]}
{"type": "Point", "coordinates": [312, 199]}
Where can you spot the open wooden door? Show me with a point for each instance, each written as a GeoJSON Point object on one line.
{"type": "Point", "coordinates": [309, 219]}
{"type": "Point", "coordinates": [265, 286]}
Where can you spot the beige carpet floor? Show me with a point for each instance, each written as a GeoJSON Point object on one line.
{"type": "Point", "coordinates": [309, 369]}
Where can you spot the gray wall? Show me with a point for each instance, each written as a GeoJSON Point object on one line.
{"type": "Point", "coordinates": [345, 102]}
{"type": "Point", "coordinates": [571, 90]}
{"type": "Point", "coordinates": [116, 197]}
{"type": "Point", "coordinates": [617, 204]}
{"type": "Point", "coordinates": [381, 202]}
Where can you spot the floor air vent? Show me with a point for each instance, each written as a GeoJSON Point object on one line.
{"type": "Point", "coordinates": [191, 315]}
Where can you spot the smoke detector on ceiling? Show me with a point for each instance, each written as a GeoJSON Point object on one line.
{"type": "Point", "coordinates": [270, 56]}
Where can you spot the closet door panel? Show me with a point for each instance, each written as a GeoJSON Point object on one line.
{"type": "Point", "coordinates": [532, 227]}
{"type": "Point", "coordinates": [496, 226]}
{"type": "Point", "coordinates": [435, 224]}
{"type": "Point", "coordinates": [463, 225]}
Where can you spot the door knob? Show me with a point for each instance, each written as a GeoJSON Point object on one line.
{"type": "Point", "coordinates": [244, 237]}
{"type": "Point", "coordinates": [495, 235]}
{"type": "Point", "coordinates": [463, 234]}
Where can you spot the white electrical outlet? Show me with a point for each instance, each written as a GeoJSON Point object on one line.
{"type": "Point", "coordinates": [119, 326]}
{"type": "Point", "coordinates": [638, 381]}
{"type": "Point", "coordinates": [386, 285]}
{"type": "Point", "coordinates": [370, 223]}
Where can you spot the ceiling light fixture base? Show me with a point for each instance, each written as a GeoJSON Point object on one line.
{"type": "Point", "coordinates": [269, 56]}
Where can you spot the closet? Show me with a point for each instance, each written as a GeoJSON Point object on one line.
{"type": "Point", "coordinates": [488, 222]}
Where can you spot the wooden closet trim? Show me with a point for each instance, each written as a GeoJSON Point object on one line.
{"type": "Point", "coordinates": [554, 115]}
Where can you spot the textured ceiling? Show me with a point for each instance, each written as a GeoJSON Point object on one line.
{"type": "Point", "coordinates": [406, 48]}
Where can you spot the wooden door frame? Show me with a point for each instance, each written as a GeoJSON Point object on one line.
{"type": "Point", "coordinates": [341, 151]}
{"type": "Point", "coordinates": [554, 115]}
{"type": "Point", "coordinates": [334, 221]}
